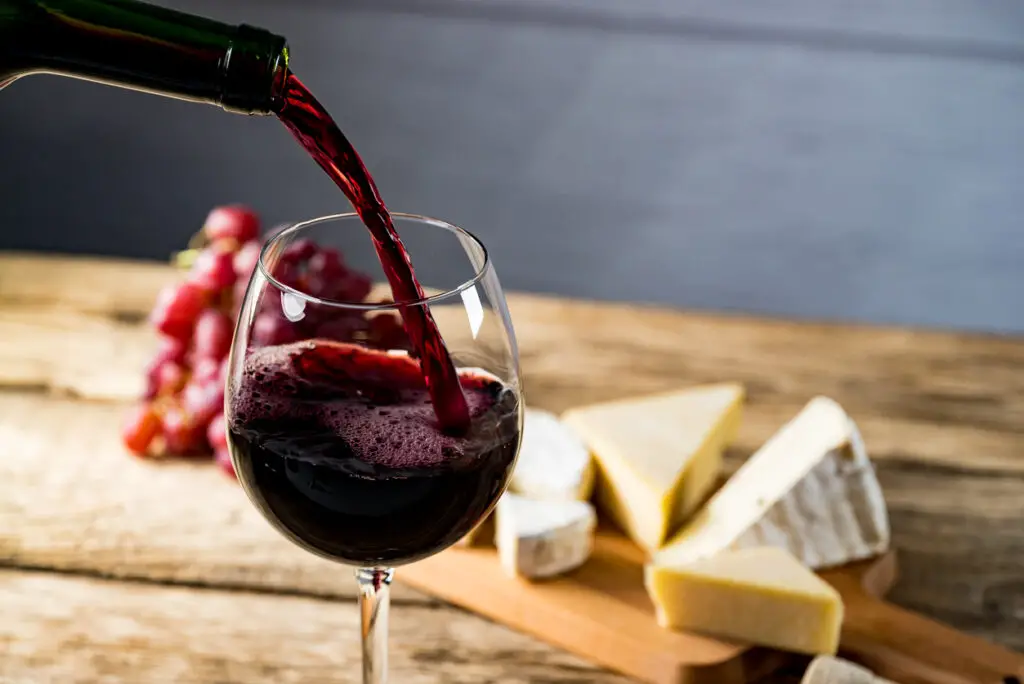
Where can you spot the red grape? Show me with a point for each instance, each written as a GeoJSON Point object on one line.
{"type": "Point", "coordinates": [223, 458]}
{"type": "Point", "coordinates": [171, 351]}
{"type": "Point", "coordinates": [176, 310]}
{"type": "Point", "coordinates": [205, 370]}
{"type": "Point", "coordinates": [170, 378]}
{"type": "Point", "coordinates": [353, 288]}
{"type": "Point", "coordinates": [287, 273]}
{"type": "Point", "coordinates": [299, 251]}
{"type": "Point", "coordinates": [214, 269]}
{"type": "Point", "coordinates": [196, 318]}
{"type": "Point", "coordinates": [216, 433]}
{"type": "Point", "coordinates": [203, 401]}
{"type": "Point", "coordinates": [271, 328]}
{"type": "Point", "coordinates": [232, 221]}
{"type": "Point", "coordinates": [323, 272]}
{"type": "Point", "coordinates": [246, 258]}
{"type": "Point", "coordinates": [212, 337]}
{"type": "Point", "coordinates": [152, 387]}
{"type": "Point", "coordinates": [183, 432]}
{"type": "Point", "coordinates": [140, 428]}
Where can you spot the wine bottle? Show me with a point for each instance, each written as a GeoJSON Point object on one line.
{"type": "Point", "coordinates": [143, 47]}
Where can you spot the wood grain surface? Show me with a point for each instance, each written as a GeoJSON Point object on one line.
{"type": "Point", "coordinates": [942, 415]}
{"type": "Point", "coordinates": [72, 629]}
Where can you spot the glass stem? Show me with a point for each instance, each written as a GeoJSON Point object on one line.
{"type": "Point", "coordinates": [374, 599]}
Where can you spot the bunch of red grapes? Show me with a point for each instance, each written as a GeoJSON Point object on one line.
{"type": "Point", "coordinates": [182, 408]}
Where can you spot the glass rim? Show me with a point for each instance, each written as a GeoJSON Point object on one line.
{"type": "Point", "coordinates": [381, 306]}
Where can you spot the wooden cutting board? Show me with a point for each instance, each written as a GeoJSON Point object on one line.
{"type": "Point", "coordinates": [602, 612]}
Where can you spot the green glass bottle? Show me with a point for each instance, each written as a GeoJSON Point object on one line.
{"type": "Point", "coordinates": [143, 47]}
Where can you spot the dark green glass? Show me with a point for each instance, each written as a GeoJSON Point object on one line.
{"type": "Point", "coordinates": [143, 47]}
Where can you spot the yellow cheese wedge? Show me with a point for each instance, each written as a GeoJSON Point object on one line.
{"type": "Point", "coordinates": [763, 596]}
{"type": "Point", "coordinates": [658, 456]}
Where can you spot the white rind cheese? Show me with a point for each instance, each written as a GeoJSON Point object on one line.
{"type": "Point", "coordinates": [553, 464]}
{"type": "Point", "coordinates": [810, 490]}
{"type": "Point", "coordinates": [538, 539]}
{"type": "Point", "coordinates": [831, 670]}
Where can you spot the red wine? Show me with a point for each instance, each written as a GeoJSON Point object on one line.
{"type": "Point", "coordinates": [316, 131]}
{"type": "Point", "coordinates": [338, 446]}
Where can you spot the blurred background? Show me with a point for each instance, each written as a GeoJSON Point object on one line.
{"type": "Point", "coordinates": [807, 158]}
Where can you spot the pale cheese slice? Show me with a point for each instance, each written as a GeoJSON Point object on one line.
{"type": "Point", "coordinates": [759, 596]}
{"type": "Point", "coordinates": [811, 490]}
{"type": "Point", "coordinates": [553, 462]}
{"type": "Point", "coordinates": [538, 539]}
{"type": "Point", "coordinates": [831, 670]}
{"type": "Point", "coordinates": [658, 456]}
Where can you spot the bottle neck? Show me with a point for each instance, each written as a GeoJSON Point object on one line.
{"type": "Point", "coordinates": [134, 45]}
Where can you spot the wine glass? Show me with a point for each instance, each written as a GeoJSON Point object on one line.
{"type": "Point", "coordinates": [332, 431]}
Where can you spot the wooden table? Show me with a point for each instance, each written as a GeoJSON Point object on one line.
{"type": "Point", "coordinates": [116, 569]}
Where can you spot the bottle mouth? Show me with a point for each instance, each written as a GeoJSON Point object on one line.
{"type": "Point", "coordinates": [255, 72]}
{"type": "Point", "coordinates": [480, 265]}
{"type": "Point", "coordinates": [279, 79]}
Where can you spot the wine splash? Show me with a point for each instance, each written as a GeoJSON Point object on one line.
{"type": "Point", "coordinates": [316, 131]}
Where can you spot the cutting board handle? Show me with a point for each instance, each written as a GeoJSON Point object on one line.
{"type": "Point", "coordinates": [911, 649]}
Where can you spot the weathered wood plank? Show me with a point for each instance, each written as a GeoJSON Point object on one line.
{"type": "Point", "coordinates": [67, 352]}
{"type": "Point", "coordinates": [123, 287]}
{"type": "Point", "coordinates": [961, 549]}
{"type": "Point", "coordinates": [72, 499]}
{"type": "Point", "coordinates": [69, 630]}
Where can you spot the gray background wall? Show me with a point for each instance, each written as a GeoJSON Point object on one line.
{"type": "Point", "coordinates": [815, 158]}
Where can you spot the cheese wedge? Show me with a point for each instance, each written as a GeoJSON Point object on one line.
{"type": "Point", "coordinates": [553, 463]}
{"type": "Point", "coordinates": [811, 490]}
{"type": "Point", "coordinates": [658, 456]}
{"type": "Point", "coordinates": [760, 596]}
{"type": "Point", "coordinates": [539, 539]}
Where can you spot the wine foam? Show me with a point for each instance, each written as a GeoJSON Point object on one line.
{"type": "Point", "coordinates": [374, 405]}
